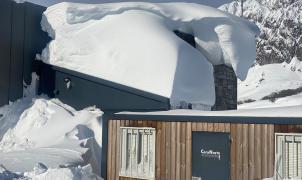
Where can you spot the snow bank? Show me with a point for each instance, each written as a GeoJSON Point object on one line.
{"type": "Point", "coordinates": [41, 172]}
{"type": "Point", "coordinates": [50, 132]}
{"type": "Point", "coordinates": [264, 80]}
{"type": "Point", "coordinates": [294, 100]}
{"type": "Point", "coordinates": [294, 178]}
{"type": "Point", "coordinates": [133, 44]}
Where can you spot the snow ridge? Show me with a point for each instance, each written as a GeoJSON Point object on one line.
{"type": "Point", "coordinates": [50, 132]}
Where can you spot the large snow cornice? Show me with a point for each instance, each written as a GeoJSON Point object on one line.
{"type": "Point", "coordinates": [134, 44]}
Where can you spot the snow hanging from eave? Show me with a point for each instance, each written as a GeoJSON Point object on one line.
{"type": "Point", "coordinates": [133, 44]}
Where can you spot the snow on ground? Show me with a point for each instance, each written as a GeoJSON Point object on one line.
{"type": "Point", "coordinates": [263, 83]}
{"type": "Point", "coordinates": [41, 172]}
{"type": "Point", "coordinates": [46, 131]}
{"type": "Point", "coordinates": [294, 178]}
{"type": "Point", "coordinates": [134, 44]}
{"type": "Point", "coordinates": [293, 100]}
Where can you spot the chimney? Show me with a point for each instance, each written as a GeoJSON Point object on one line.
{"type": "Point", "coordinates": [225, 88]}
{"type": "Point", "coordinates": [225, 80]}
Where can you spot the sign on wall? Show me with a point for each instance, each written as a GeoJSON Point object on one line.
{"type": "Point", "coordinates": [211, 156]}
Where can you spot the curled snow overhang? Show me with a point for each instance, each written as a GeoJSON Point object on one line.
{"type": "Point", "coordinates": [134, 44]}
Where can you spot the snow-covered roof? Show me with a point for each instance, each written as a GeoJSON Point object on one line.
{"type": "Point", "coordinates": [286, 112]}
{"type": "Point", "coordinates": [213, 3]}
{"type": "Point", "coordinates": [134, 44]}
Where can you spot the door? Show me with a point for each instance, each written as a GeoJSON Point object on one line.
{"type": "Point", "coordinates": [211, 156]}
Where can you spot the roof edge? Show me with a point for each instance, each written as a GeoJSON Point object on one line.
{"type": "Point", "coordinates": [210, 119]}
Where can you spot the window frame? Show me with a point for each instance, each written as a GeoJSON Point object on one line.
{"type": "Point", "coordinates": [126, 144]}
{"type": "Point", "coordinates": [284, 143]}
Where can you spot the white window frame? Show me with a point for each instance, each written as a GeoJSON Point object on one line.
{"type": "Point", "coordinates": [288, 165]}
{"type": "Point", "coordinates": [137, 152]}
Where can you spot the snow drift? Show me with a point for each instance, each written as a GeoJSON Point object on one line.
{"type": "Point", "coordinates": [133, 44]}
{"type": "Point", "coordinates": [48, 132]}
{"type": "Point", "coordinates": [41, 172]}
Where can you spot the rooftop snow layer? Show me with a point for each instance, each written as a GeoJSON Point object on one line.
{"type": "Point", "coordinates": [133, 44]}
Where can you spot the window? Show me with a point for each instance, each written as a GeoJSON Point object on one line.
{"type": "Point", "coordinates": [137, 152]}
{"type": "Point", "coordinates": [288, 153]}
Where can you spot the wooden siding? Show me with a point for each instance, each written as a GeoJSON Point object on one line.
{"type": "Point", "coordinates": [252, 148]}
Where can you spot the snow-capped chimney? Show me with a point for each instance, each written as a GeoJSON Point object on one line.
{"type": "Point", "coordinates": [225, 81]}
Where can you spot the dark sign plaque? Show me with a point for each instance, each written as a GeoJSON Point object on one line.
{"type": "Point", "coordinates": [211, 156]}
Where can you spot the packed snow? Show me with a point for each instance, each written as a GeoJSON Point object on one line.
{"type": "Point", "coordinates": [294, 100]}
{"type": "Point", "coordinates": [292, 111]}
{"type": "Point", "coordinates": [41, 172]}
{"type": "Point", "coordinates": [45, 131]}
{"type": "Point", "coordinates": [267, 80]}
{"type": "Point", "coordinates": [272, 178]}
{"type": "Point", "coordinates": [134, 44]}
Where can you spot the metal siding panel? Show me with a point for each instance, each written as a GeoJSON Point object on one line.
{"type": "Point", "coordinates": [16, 68]}
{"type": "Point", "coordinates": [47, 80]}
{"type": "Point", "coordinates": [121, 87]}
{"type": "Point", "coordinates": [89, 93]}
{"type": "Point", "coordinates": [105, 144]}
{"type": "Point", "coordinates": [35, 38]}
{"type": "Point", "coordinates": [5, 46]}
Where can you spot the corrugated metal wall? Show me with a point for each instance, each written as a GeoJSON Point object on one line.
{"type": "Point", "coordinates": [21, 38]}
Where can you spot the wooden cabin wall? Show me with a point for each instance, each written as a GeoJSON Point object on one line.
{"type": "Point", "coordinates": [252, 148]}
{"type": "Point", "coordinates": [288, 128]}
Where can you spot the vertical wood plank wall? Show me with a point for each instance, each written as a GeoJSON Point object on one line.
{"type": "Point", "coordinates": [252, 148]}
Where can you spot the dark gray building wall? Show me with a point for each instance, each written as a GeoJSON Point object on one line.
{"type": "Point", "coordinates": [21, 38]}
{"type": "Point", "coordinates": [5, 48]}
{"type": "Point", "coordinates": [16, 59]}
{"type": "Point", "coordinates": [35, 39]}
{"type": "Point", "coordinates": [225, 88]}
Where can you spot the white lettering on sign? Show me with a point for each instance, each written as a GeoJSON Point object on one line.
{"type": "Point", "coordinates": [210, 154]}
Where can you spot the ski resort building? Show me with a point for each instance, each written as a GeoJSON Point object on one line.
{"type": "Point", "coordinates": [143, 136]}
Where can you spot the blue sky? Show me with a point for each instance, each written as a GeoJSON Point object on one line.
{"type": "Point", "coordinates": [213, 3]}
